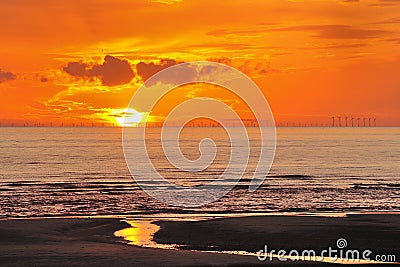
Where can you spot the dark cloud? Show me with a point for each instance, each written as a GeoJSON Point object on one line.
{"type": "Point", "coordinates": [78, 69]}
{"type": "Point", "coordinates": [44, 79]}
{"type": "Point", "coordinates": [335, 31]}
{"type": "Point", "coordinates": [146, 70]}
{"type": "Point", "coordinates": [113, 71]}
{"type": "Point", "coordinates": [6, 76]}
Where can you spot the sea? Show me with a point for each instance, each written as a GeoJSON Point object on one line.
{"type": "Point", "coordinates": [81, 171]}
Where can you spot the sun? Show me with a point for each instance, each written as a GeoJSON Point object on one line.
{"type": "Point", "coordinates": [130, 117]}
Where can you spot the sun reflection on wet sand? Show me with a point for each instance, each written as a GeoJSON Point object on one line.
{"type": "Point", "coordinates": [141, 234]}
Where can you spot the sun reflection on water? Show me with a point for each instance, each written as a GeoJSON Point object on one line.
{"type": "Point", "coordinates": [141, 234]}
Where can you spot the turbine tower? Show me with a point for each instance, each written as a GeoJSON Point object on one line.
{"type": "Point", "coordinates": [346, 120]}
{"type": "Point", "coordinates": [352, 121]}
{"type": "Point", "coordinates": [340, 121]}
{"type": "Point", "coordinates": [358, 122]}
{"type": "Point", "coordinates": [374, 122]}
{"type": "Point", "coordinates": [333, 121]}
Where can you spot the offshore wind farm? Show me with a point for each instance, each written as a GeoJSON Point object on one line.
{"type": "Point", "coordinates": [334, 121]}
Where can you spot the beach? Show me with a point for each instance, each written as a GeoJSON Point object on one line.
{"type": "Point", "coordinates": [91, 241]}
{"type": "Point", "coordinates": [88, 242]}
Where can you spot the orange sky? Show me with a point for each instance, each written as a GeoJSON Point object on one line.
{"type": "Point", "coordinates": [81, 61]}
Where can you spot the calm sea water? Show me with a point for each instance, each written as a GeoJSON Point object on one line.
{"type": "Point", "coordinates": [82, 171]}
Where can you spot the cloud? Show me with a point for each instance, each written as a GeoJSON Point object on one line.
{"type": "Point", "coordinates": [388, 21]}
{"type": "Point", "coordinates": [77, 69]}
{"type": "Point", "coordinates": [251, 67]}
{"type": "Point", "coordinates": [335, 31]}
{"type": "Point", "coordinates": [321, 31]}
{"type": "Point", "coordinates": [223, 60]}
{"type": "Point", "coordinates": [6, 76]}
{"type": "Point", "coordinates": [394, 40]}
{"type": "Point", "coordinates": [44, 79]}
{"type": "Point", "coordinates": [337, 46]}
{"type": "Point", "coordinates": [167, 2]}
{"type": "Point", "coordinates": [249, 31]}
{"type": "Point", "coordinates": [113, 71]}
{"type": "Point", "coordinates": [146, 70]}
{"type": "Point", "coordinates": [257, 68]}
{"type": "Point", "coordinates": [386, 3]}
{"type": "Point", "coordinates": [225, 46]}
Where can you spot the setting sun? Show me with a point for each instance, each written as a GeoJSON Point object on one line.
{"type": "Point", "coordinates": [129, 117]}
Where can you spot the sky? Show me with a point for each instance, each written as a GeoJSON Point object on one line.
{"type": "Point", "coordinates": [80, 62]}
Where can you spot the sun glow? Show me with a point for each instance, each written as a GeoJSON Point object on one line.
{"type": "Point", "coordinates": [130, 117]}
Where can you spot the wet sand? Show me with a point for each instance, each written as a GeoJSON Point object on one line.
{"type": "Point", "coordinates": [379, 233]}
{"type": "Point", "coordinates": [91, 242]}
